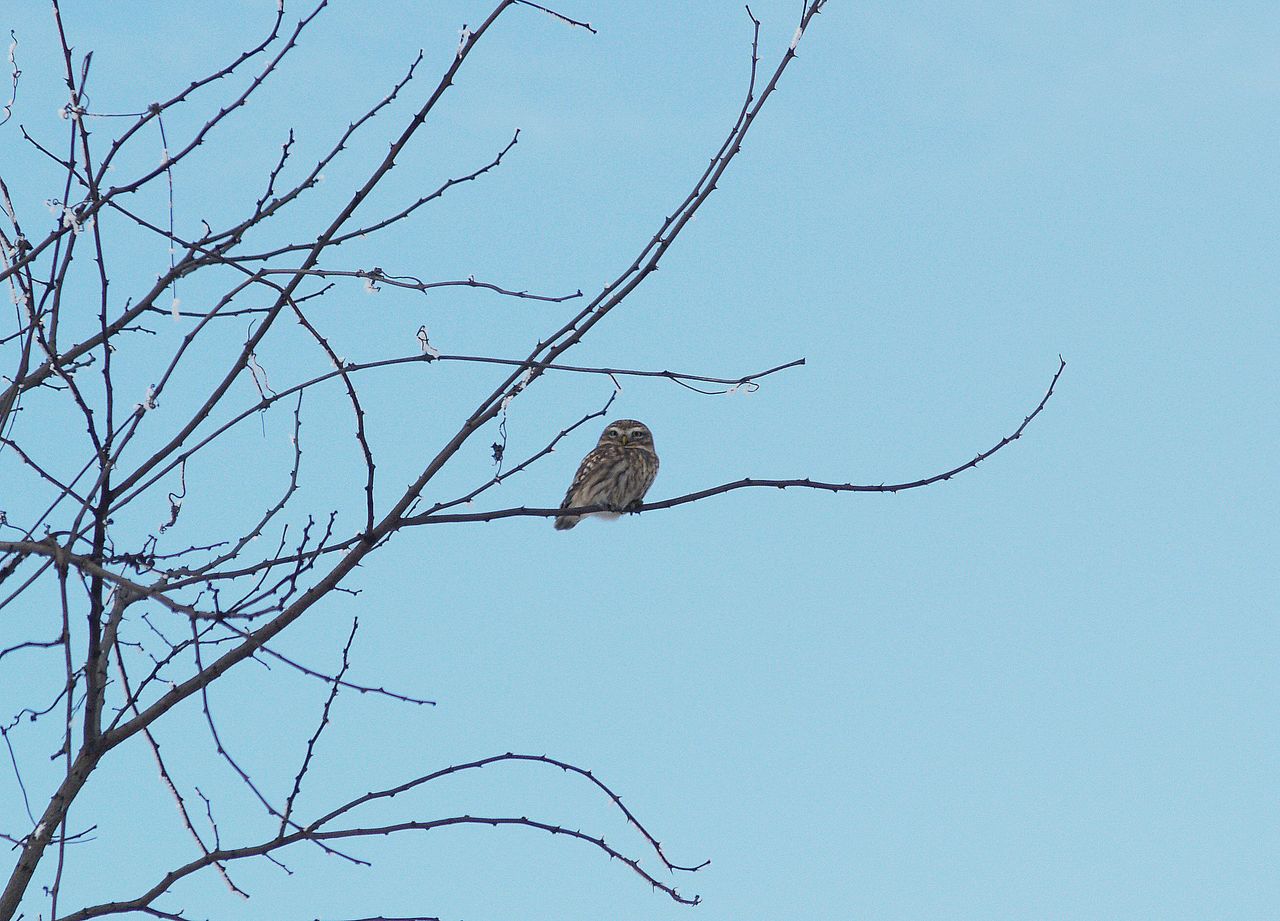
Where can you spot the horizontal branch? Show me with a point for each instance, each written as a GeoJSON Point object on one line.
{"type": "Point", "coordinates": [746, 483]}
{"type": "Point", "coordinates": [226, 855]}
{"type": "Point", "coordinates": [560, 16]}
{"type": "Point", "coordinates": [316, 831]}
{"type": "Point", "coordinates": [31, 644]}
{"type": "Point", "coordinates": [376, 276]}
{"type": "Point", "coordinates": [90, 567]}
{"type": "Point", "coordinates": [565, 766]}
{"type": "Point", "coordinates": [333, 679]}
{"type": "Point", "coordinates": [678, 377]}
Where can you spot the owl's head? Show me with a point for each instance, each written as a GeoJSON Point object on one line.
{"type": "Point", "coordinates": [627, 432]}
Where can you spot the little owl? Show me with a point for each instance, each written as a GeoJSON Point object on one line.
{"type": "Point", "coordinates": [617, 472]}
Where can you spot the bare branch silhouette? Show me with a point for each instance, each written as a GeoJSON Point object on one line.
{"type": "Point", "coordinates": [431, 517]}
{"type": "Point", "coordinates": [145, 392]}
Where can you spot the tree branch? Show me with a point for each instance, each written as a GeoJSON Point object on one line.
{"type": "Point", "coordinates": [747, 483]}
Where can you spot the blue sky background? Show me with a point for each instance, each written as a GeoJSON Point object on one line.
{"type": "Point", "coordinates": [1045, 689]}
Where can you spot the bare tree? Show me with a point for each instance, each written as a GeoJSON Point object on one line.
{"type": "Point", "coordinates": [131, 624]}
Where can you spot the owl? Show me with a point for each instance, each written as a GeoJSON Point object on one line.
{"type": "Point", "coordinates": [617, 472]}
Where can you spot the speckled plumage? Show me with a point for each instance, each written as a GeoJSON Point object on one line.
{"type": "Point", "coordinates": [617, 472]}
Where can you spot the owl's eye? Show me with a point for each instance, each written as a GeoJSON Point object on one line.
{"type": "Point", "coordinates": [638, 435]}
{"type": "Point", "coordinates": [613, 433]}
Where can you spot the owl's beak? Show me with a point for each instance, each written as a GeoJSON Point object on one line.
{"type": "Point", "coordinates": [624, 441]}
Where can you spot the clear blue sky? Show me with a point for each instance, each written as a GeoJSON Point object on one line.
{"type": "Point", "coordinates": [1046, 689]}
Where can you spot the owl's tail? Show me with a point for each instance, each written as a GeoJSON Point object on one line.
{"type": "Point", "coordinates": [566, 522]}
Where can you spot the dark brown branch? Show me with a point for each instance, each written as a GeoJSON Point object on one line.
{"type": "Point", "coordinates": [261, 213]}
{"type": "Point", "coordinates": [15, 73]}
{"type": "Point", "coordinates": [240, 772]}
{"type": "Point", "coordinates": [315, 250]}
{"type": "Point", "coordinates": [286, 585]}
{"type": "Point", "coordinates": [364, 231]}
{"type": "Point", "coordinates": [316, 832]}
{"type": "Point", "coordinates": [332, 679]}
{"type": "Point", "coordinates": [31, 644]}
{"type": "Point", "coordinates": [613, 294]}
{"type": "Point", "coordinates": [92, 568]}
{"type": "Point", "coordinates": [357, 410]}
{"type": "Point", "coordinates": [388, 918]}
{"type": "Point", "coordinates": [353, 367]}
{"type": "Point", "coordinates": [529, 461]}
{"type": "Point", "coordinates": [560, 16]}
{"type": "Point", "coordinates": [748, 483]}
{"type": "Point", "coordinates": [167, 779]}
{"type": "Point", "coordinates": [377, 276]}
{"type": "Point", "coordinates": [315, 737]}
{"type": "Point", "coordinates": [680, 377]}
{"type": "Point", "coordinates": [199, 137]}
{"type": "Point", "coordinates": [57, 235]}
{"type": "Point", "coordinates": [258, 850]}
{"type": "Point", "coordinates": [253, 533]}
{"type": "Point", "coordinates": [328, 583]}
{"type": "Point", "coordinates": [43, 474]}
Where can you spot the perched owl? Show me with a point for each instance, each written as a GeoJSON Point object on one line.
{"type": "Point", "coordinates": [617, 472]}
